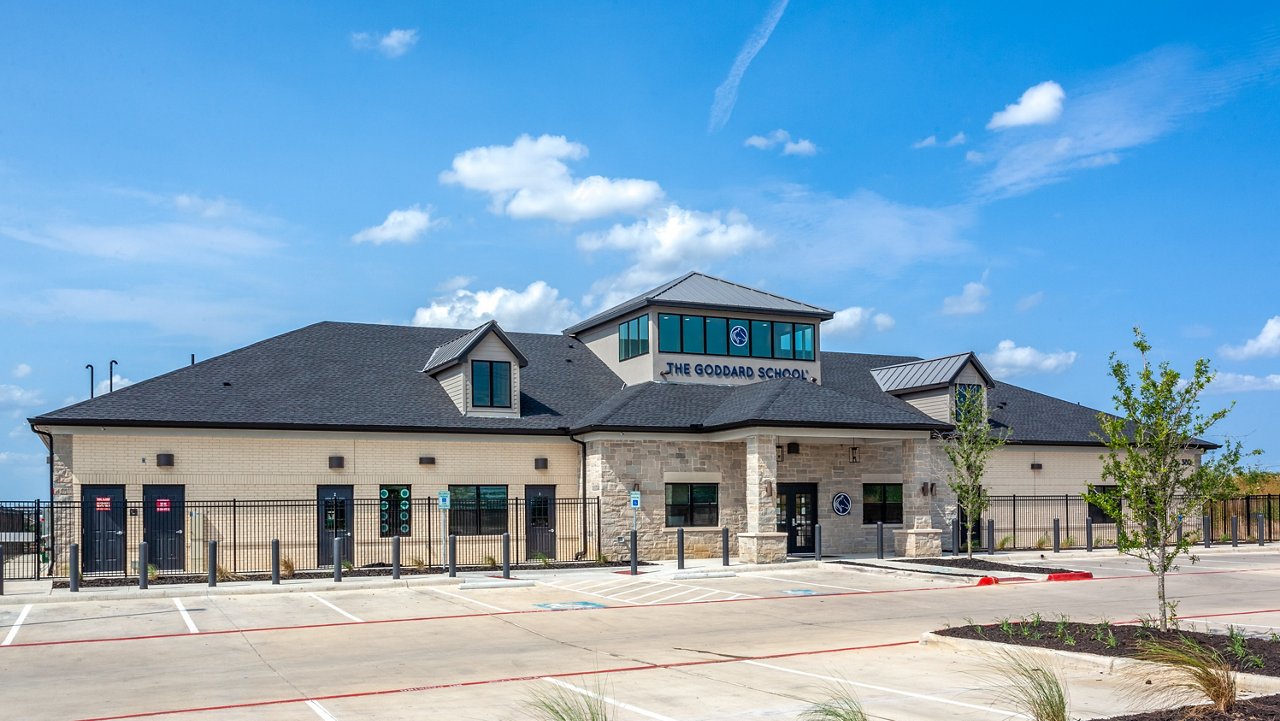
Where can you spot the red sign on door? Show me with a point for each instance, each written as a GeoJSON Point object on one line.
{"type": "Point", "coordinates": [102, 503]}
{"type": "Point", "coordinates": [162, 505]}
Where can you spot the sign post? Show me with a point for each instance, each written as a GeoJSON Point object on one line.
{"type": "Point", "coordinates": [446, 502]}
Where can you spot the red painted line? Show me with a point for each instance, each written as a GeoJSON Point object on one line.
{"type": "Point", "coordinates": [1071, 576]}
{"type": "Point", "coordinates": [491, 681]}
{"type": "Point", "coordinates": [987, 581]}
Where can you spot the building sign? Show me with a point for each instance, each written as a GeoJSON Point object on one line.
{"type": "Point", "coordinates": [720, 370]}
{"type": "Point", "coordinates": [102, 503]}
{"type": "Point", "coordinates": [445, 500]}
{"type": "Point", "coordinates": [738, 336]}
{"type": "Point", "coordinates": [635, 499]}
{"type": "Point", "coordinates": [841, 503]}
{"type": "Point", "coordinates": [162, 505]}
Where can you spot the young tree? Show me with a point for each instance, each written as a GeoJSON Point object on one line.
{"type": "Point", "coordinates": [1152, 445]}
{"type": "Point", "coordinates": [968, 447]}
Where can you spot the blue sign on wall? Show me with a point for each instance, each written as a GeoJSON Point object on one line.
{"type": "Point", "coordinates": [841, 503]}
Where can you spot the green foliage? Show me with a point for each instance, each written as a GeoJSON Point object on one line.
{"type": "Point", "coordinates": [1042, 543]}
{"type": "Point", "coordinates": [1070, 542]}
{"type": "Point", "coordinates": [1193, 668]}
{"type": "Point", "coordinates": [1031, 688]}
{"type": "Point", "coordinates": [1155, 431]}
{"type": "Point", "coordinates": [840, 705]}
{"type": "Point", "coordinates": [1238, 645]}
{"type": "Point", "coordinates": [602, 559]}
{"type": "Point", "coordinates": [542, 558]}
{"type": "Point", "coordinates": [348, 565]}
{"type": "Point", "coordinates": [1004, 543]}
{"type": "Point", "coordinates": [565, 705]}
{"type": "Point", "coordinates": [223, 575]}
{"type": "Point", "coordinates": [490, 562]}
{"type": "Point", "coordinates": [1062, 631]}
{"type": "Point", "coordinates": [1006, 626]}
{"type": "Point", "coordinates": [1103, 634]}
{"type": "Point", "coordinates": [153, 572]}
{"type": "Point", "coordinates": [417, 563]}
{"type": "Point", "coordinates": [968, 447]}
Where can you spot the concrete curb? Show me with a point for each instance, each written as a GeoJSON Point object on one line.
{"type": "Point", "coordinates": [694, 575]}
{"type": "Point", "coordinates": [495, 583]}
{"type": "Point", "coordinates": [230, 588]}
{"type": "Point", "coordinates": [1084, 662]}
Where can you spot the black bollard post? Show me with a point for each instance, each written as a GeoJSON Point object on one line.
{"type": "Point", "coordinates": [879, 539]}
{"type": "Point", "coordinates": [1178, 535]}
{"type": "Point", "coordinates": [142, 566]}
{"type": "Point", "coordinates": [817, 541]}
{"type": "Point", "coordinates": [73, 557]}
{"type": "Point", "coordinates": [635, 562]}
{"type": "Point", "coordinates": [1057, 536]}
{"type": "Point", "coordinates": [955, 537]}
{"type": "Point", "coordinates": [506, 555]}
{"type": "Point", "coordinates": [337, 559]}
{"type": "Point", "coordinates": [724, 545]}
{"type": "Point", "coordinates": [1207, 524]}
{"type": "Point", "coordinates": [680, 549]}
{"type": "Point", "coordinates": [395, 557]}
{"type": "Point", "coordinates": [1088, 534]}
{"type": "Point", "coordinates": [1235, 531]}
{"type": "Point", "coordinates": [275, 562]}
{"type": "Point", "coordinates": [453, 555]}
{"type": "Point", "coordinates": [991, 536]}
{"type": "Point", "coordinates": [213, 563]}
{"type": "Point", "coordinates": [1262, 530]}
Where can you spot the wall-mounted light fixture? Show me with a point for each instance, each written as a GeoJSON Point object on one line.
{"type": "Point", "coordinates": [924, 489]}
{"type": "Point", "coordinates": [793, 448]}
{"type": "Point", "coordinates": [540, 464]}
{"type": "Point", "coordinates": [1037, 466]}
{"type": "Point", "coordinates": [778, 453]}
{"type": "Point", "coordinates": [853, 454]}
{"type": "Point", "coordinates": [426, 460]}
{"type": "Point", "coordinates": [337, 462]}
{"type": "Point", "coordinates": [164, 459]}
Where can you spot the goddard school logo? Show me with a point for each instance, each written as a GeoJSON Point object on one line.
{"type": "Point", "coordinates": [738, 336]}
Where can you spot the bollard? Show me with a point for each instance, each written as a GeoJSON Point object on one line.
{"type": "Point", "coordinates": [1262, 529]}
{"type": "Point", "coordinates": [453, 555]}
{"type": "Point", "coordinates": [955, 537]}
{"type": "Point", "coordinates": [635, 565]}
{"type": "Point", "coordinates": [1235, 531]}
{"type": "Point", "coordinates": [1057, 544]}
{"type": "Point", "coordinates": [680, 549]}
{"type": "Point", "coordinates": [213, 563]}
{"type": "Point", "coordinates": [1088, 534]}
{"type": "Point", "coordinates": [506, 555]}
{"type": "Point", "coordinates": [1208, 532]}
{"type": "Point", "coordinates": [142, 566]}
{"type": "Point", "coordinates": [395, 557]}
{"type": "Point", "coordinates": [724, 545]}
{"type": "Point", "coordinates": [337, 559]}
{"type": "Point", "coordinates": [73, 557]}
{"type": "Point", "coordinates": [991, 536]}
{"type": "Point", "coordinates": [879, 539]}
{"type": "Point", "coordinates": [1178, 536]}
{"type": "Point", "coordinates": [275, 562]}
{"type": "Point", "coordinates": [817, 541]}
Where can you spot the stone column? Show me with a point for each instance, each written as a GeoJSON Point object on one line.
{"type": "Point", "coordinates": [762, 543]}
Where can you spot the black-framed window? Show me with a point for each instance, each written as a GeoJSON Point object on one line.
{"type": "Point", "coordinates": [633, 338]}
{"type": "Point", "coordinates": [693, 504]}
{"type": "Point", "coordinates": [803, 341]}
{"type": "Point", "coordinates": [783, 340]}
{"type": "Point", "coordinates": [693, 334]}
{"type": "Point", "coordinates": [717, 336]}
{"type": "Point", "coordinates": [1096, 514]}
{"type": "Point", "coordinates": [761, 339]}
{"type": "Point", "coordinates": [479, 510]}
{"type": "Point", "coordinates": [490, 384]}
{"type": "Point", "coordinates": [882, 502]}
{"type": "Point", "coordinates": [739, 338]}
{"type": "Point", "coordinates": [668, 333]}
{"type": "Point", "coordinates": [395, 511]}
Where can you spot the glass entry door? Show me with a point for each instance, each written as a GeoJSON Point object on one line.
{"type": "Point", "coordinates": [797, 505]}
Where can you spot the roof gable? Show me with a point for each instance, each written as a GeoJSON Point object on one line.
{"type": "Point", "coordinates": [925, 374]}
{"type": "Point", "coordinates": [452, 353]}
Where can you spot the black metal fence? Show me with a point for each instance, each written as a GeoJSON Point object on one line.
{"type": "Point", "coordinates": [108, 531]}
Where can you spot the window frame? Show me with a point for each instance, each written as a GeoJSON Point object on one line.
{"type": "Point", "coordinates": [883, 505]}
{"type": "Point", "coordinates": [784, 333]}
{"type": "Point", "coordinates": [690, 509]}
{"type": "Point", "coordinates": [489, 376]}
{"type": "Point", "coordinates": [669, 342]}
{"type": "Point", "coordinates": [633, 338]}
{"type": "Point", "coordinates": [672, 328]}
{"type": "Point", "coordinates": [469, 515]}
{"type": "Point", "coordinates": [393, 489]}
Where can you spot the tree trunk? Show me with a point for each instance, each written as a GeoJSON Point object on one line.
{"type": "Point", "coordinates": [1164, 607]}
{"type": "Point", "coordinates": [968, 537]}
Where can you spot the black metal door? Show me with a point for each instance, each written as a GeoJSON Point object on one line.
{"type": "Point", "coordinates": [797, 506]}
{"type": "Point", "coordinates": [540, 522]}
{"type": "Point", "coordinates": [335, 512]}
{"type": "Point", "coordinates": [163, 523]}
{"type": "Point", "coordinates": [102, 517]}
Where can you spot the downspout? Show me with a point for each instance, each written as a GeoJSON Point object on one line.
{"type": "Point", "coordinates": [52, 541]}
{"type": "Point", "coordinates": [582, 455]}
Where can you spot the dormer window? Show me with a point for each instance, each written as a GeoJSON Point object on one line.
{"type": "Point", "coordinates": [490, 384]}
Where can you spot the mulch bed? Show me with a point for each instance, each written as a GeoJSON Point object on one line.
{"type": "Point", "coordinates": [982, 564]}
{"type": "Point", "coordinates": [1262, 708]}
{"type": "Point", "coordinates": [1093, 638]}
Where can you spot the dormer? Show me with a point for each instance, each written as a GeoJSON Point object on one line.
{"type": "Point", "coordinates": [480, 370]}
{"type": "Point", "coordinates": [933, 386]}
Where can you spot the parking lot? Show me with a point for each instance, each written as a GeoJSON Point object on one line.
{"type": "Point", "coordinates": [756, 645]}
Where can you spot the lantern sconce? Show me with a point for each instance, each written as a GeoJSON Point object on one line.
{"type": "Point", "coordinates": [853, 454]}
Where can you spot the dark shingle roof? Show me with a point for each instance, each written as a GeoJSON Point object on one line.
{"type": "Point", "coordinates": [697, 290]}
{"type": "Point", "coordinates": [452, 353]}
{"type": "Point", "coordinates": [923, 374]}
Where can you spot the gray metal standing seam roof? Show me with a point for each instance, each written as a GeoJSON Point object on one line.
{"type": "Point", "coordinates": [922, 374]}
{"type": "Point", "coordinates": [699, 289]}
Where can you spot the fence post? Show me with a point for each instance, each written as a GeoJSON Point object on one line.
{"type": "Point", "coordinates": [235, 538]}
{"type": "Point", "coordinates": [1088, 534]}
{"type": "Point", "coordinates": [1014, 503]}
{"type": "Point", "coordinates": [275, 562]}
{"type": "Point", "coordinates": [1235, 531]}
{"type": "Point", "coordinates": [1, 569]}
{"type": "Point", "coordinates": [74, 559]}
{"type": "Point", "coordinates": [634, 563]}
{"type": "Point", "coordinates": [880, 539]}
{"type": "Point", "coordinates": [337, 558]}
{"type": "Point", "coordinates": [506, 555]}
{"type": "Point", "coordinates": [213, 563]}
{"type": "Point", "coordinates": [991, 536]}
{"type": "Point", "coordinates": [1207, 530]}
{"type": "Point", "coordinates": [453, 555]}
{"type": "Point", "coordinates": [1066, 512]}
{"type": "Point", "coordinates": [680, 549]}
{"type": "Point", "coordinates": [1178, 534]}
{"type": "Point", "coordinates": [39, 538]}
{"type": "Point", "coordinates": [724, 545]}
{"type": "Point", "coordinates": [395, 557]}
{"type": "Point", "coordinates": [1261, 529]}
{"type": "Point", "coordinates": [1057, 534]}
{"type": "Point", "coordinates": [817, 542]}
{"type": "Point", "coordinates": [142, 565]}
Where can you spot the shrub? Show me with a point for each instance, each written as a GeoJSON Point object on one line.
{"type": "Point", "coordinates": [286, 567]}
{"type": "Point", "coordinates": [1238, 645]}
{"type": "Point", "coordinates": [565, 705]}
{"type": "Point", "coordinates": [417, 563]}
{"type": "Point", "coordinates": [841, 705]}
{"type": "Point", "coordinates": [1004, 543]}
{"type": "Point", "coordinates": [1042, 543]}
{"type": "Point", "coordinates": [1030, 688]}
{"type": "Point", "coordinates": [153, 572]}
{"type": "Point", "coordinates": [1070, 542]}
{"type": "Point", "coordinates": [223, 575]}
{"type": "Point", "coordinates": [490, 562]}
{"type": "Point", "coordinates": [1192, 668]}
{"type": "Point", "coordinates": [348, 565]}
{"type": "Point", "coordinates": [542, 558]}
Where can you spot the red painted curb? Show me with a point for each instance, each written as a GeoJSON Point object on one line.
{"type": "Point", "coordinates": [987, 581]}
{"type": "Point", "coordinates": [1071, 576]}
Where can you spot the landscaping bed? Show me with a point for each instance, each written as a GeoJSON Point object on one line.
{"type": "Point", "coordinates": [982, 564]}
{"type": "Point", "coordinates": [1261, 708]}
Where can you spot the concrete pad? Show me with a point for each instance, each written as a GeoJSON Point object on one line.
{"type": "Point", "coordinates": [74, 621]}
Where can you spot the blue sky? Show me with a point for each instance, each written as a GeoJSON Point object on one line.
{"type": "Point", "coordinates": [1027, 182]}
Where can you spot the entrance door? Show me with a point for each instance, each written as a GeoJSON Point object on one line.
{"type": "Point", "coordinates": [797, 505]}
{"type": "Point", "coordinates": [334, 506]}
{"type": "Point", "coordinates": [102, 518]}
{"type": "Point", "coordinates": [540, 522]}
{"type": "Point", "coordinates": [163, 521]}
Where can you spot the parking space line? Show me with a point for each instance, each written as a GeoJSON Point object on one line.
{"type": "Point", "coordinates": [330, 605]}
{"type": "Point", "coordinates": [810, 583]}
{"type": "Point", "coordinates": [886, 689]}
{"type": "Point", "coordinates": [666, 599]}
{"type": "Point", "coordinates": [321, 711]}
{"type": "Point", "coordinates": [470, 600]}
{"type": "Point", "coordinates": [13, 630]}
{"type": "Point", "coordinates": [699, 598]}
{"type": "Point", "coordinates": [662, 588]}
{"type": "Point", "coordinates": [186, 617]}
{"type": "Point", "coordinates": [611, 701]}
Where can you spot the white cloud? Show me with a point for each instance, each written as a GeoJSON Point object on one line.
{"type": "Point", "coordinates": [958, 139]}
{"type": "Point", "coordinates": [799, 146]}
{"type": "Point", "coordinates": [852, 322]}
{"type": "Point", "coordinates": [180, 310]}
{"type": "Point", "coordinates": [155, 242]}
{"type": "Point", "coordinates": [974, 156]}
{"type": "Point", "coordinates": [206, 207]}
{"type": "Point", "coordinates": [1265, 345]}
{"type": "Point", "coordinates": [932, 141]}
{"type": "Point", "coordinates": [18, 397]}
{"type": "Point", "coordinates": [1027, 302]}
{"type": "Point", "coordinates": [116, 382]}
{"type": "Point", "coordinates": [455, 283]}
{"type": "Point", "coordinates": [529, 179]}
{"type": "Point", "coordinates": [1010, 359]}
{"type": "Point", "coordinates": [727, 94]}
{"type": "Point", "coordinates": [1243, 383]}
{"type": "Point", "coordinates": [973, 299]}
{"type": "Point", "coordinates": [1039, 105]}
{"type": "Point", "coordinates": [537, 308]}
{"type": "Point", "coordinates": [929, 142]}
{"type": "Point", "coordinates": [22, 370]}
{"type": "Point", "coordinates": [11, 457]}
{"type": "Point", "coordinates": [401, 226]}
{"type": "Point", "coordinates": [803, 146]}
{"type": "Point", "coordinates": [393, 44]}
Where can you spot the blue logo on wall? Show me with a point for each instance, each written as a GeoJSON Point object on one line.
{"type": "Point", "coordinates": [841, 503]}
{"type": "Point", "coordinates": [738, 336]}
